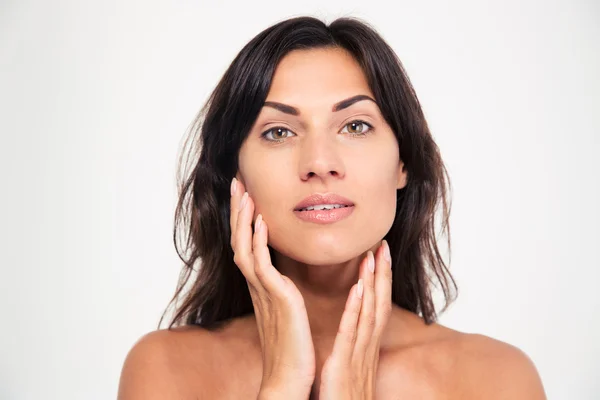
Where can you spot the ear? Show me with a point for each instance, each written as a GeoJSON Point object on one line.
{"type": "Point", "coordinates": [402, 175]}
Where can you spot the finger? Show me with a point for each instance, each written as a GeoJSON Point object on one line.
{"type": "Point", "coordinates": [263, 268]}
{"type": "Point", "coordinates": [383, 288]}
{"type": "Point", "coordinates": [243, 256]}
{"type": "Point", "coordinates": [366, 321]}
{"type": "Point", "coordinates": [344, 341]}
{"type": "Point", "coordinates": [237, 189]}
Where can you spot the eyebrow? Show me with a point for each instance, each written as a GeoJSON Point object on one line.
{"type": "Point", "coordinates": [336, 107]}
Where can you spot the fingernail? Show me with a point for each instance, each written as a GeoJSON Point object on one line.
{"type": "Point", "coordinates": [359, 290]}
{"type": "Point", "coordinates": [244, 200]}
{"type": "Point", "coordinates": [386, 251]}
{"type": "Point", "coordinates": [371, 261]}
{"type": "Point", "coordinates": [233, 186]}
{"type": "Point", "coordinates": [258, 222]}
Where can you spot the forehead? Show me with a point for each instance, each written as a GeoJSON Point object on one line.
{"type": "Point", "coordinates": [307, 77]}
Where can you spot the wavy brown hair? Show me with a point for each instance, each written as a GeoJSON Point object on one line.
{"type": "Point", "coordinates": [217, 291]}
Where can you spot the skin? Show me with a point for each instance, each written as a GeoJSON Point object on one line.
{"type": "Point", "coordinates": [322, 151]}
{"type": "Point", "coordinates": [319, 154]}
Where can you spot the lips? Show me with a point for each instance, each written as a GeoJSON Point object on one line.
{"type": "Point", "coordinates": [326, 198]}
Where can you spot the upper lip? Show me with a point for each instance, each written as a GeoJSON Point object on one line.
{"type": "Point", "coordinates": [326, 198]}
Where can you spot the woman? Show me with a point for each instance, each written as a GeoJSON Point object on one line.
{"type": "Point", "coordinates": [310, 203]}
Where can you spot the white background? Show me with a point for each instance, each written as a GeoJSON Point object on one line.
{"type": "Point", "coordinates": [95, 98]}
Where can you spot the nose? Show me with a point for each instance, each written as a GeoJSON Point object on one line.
{"type": "Point", "coordinates": [320, 158]}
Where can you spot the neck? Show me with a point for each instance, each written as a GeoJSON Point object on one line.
{"type": "Point", "coordinates": [325, 289]}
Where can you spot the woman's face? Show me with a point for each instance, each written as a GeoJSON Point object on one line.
{"type": "Point", "coordinates": [286, 158]}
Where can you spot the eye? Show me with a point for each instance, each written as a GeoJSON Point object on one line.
{"type": "Point", "coordinates": [274, 133]}
{"type": "Point", "coordinates": [361, 131]}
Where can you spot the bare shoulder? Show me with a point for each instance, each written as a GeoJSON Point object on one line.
{"type": "Point", "coordinates": [157, 366]}
{"type": "Point", "coordinates": [193, 362]}
{"type": "Point", "coordinates": [492, 369]}
{"type": "Point", "coordinates": [435, 361]}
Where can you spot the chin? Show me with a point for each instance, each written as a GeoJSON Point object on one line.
{"type": "Point", "coordinates": [320, 258]}
{"type": "Point", "coordinates": [324, 249]}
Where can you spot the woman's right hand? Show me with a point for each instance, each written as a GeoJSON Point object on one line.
{"type": "Point", "coordinates": [286, 341]}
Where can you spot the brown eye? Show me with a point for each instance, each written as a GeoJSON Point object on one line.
{"type": "Point", "coordinates": [277, 134]}
{"type": "Point", "coordinates": [358, 127]}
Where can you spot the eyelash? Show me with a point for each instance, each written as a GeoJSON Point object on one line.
{"type": "Point", "coordinates": [264, 134]}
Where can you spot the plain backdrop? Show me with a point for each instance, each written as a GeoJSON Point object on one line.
{"type": "Point", "coordinates": [95, 99]}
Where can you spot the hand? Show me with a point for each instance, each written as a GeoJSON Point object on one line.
{"type": "Point", "coordinates": [287, 348]}
{"type": "Point", "coordinates": [349, 372]}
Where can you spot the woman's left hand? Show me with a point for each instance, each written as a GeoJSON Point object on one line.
{"type": "Point", "coordinates": [349, 372]}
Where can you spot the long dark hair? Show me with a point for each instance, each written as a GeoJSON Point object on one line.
{"type": "Point", "coordinates": [217, 291]}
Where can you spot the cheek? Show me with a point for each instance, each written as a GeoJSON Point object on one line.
{"type": "Point", "coordinates": [377, 178]}
{"type": "Point", "coordinates": [265, 180]}
{"type": "Point", "coordinates": [378, 195]}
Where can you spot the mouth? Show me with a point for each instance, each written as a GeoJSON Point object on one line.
{"type": "Point", "coordinates": [321, 207]}
{"type": "Point", "coordinates": [326, 201]}
{"type": "Point", "coordinates": [325, 214]}
{"type": "Point", "coordinates": [324, 208]}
